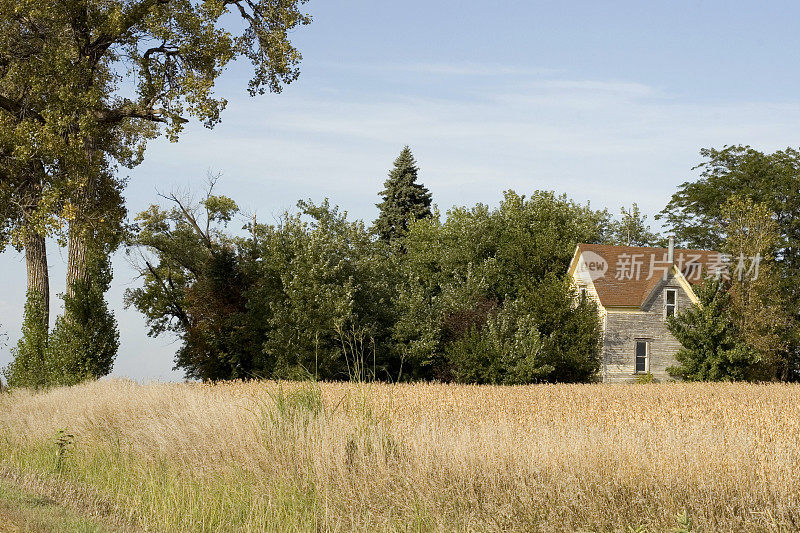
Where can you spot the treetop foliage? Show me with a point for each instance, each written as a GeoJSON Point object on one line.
{"type": "Point", "coordinates": [85, 84]}
{"type": "Point", "coordinates": [632, 229]}
{"type": "Point", "coordinates": [694, 213]}
{"type": "Point", "coordinates": [746, 202]}
{"type": "Point", "coordinates": [318, 294]}
{"type": "Point", "coordinates": [404, 200]}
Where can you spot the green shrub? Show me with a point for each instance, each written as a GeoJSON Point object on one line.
{"type": "Point", "coordinates": [28, 368]}
{"type": "Point", "coordinates": [647, 377]}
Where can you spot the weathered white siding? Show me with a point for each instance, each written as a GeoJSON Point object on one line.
{"type": "Point", "coordinates": [623, 327]}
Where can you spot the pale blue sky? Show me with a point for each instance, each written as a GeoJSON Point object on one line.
{"type": "Point", "coordinates": [608, 102]}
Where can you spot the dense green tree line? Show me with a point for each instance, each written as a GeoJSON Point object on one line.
{"type": "Point", "coordinates": [478, 295]}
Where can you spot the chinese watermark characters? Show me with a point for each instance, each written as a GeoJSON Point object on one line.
{"type": "Point", "coordinates": [637, 266]}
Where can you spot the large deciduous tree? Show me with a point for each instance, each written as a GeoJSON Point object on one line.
{"type": "Point", "coordinates": [736, 330]}
{"type": "Point", "coordinates": [85, 84]}
{"type": "Point", "coordinates": [695, 214]}
{"type": "Point", "coordinates": [195, 281]}
{"type": "Point", "coordinates": [757, 302]}
{"type": "Point", "coordinates": [29, 186]}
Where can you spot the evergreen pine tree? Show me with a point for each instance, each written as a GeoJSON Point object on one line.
{"type": "Point", "coordinates": [712, 348]}
{"type": "Point", "coordinates": [404, 200]}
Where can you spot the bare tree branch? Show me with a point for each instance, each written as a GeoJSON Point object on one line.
{"type": "Point", "coordinates": [130, 110]}
{"type": "Point", "coordinates": [191, 219]}
{"type": "Point", "coordinates": [17, 109]}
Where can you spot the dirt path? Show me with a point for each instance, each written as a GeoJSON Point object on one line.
{"type": "Point", "coordinates": [22, 511]}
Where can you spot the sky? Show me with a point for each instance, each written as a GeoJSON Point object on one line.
{"type": "Point", "coordinates": [608, 102]}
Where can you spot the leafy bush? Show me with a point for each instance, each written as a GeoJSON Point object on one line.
{"type": "Point", "coordinates": [28, 367]}
{"type": "Point", "coordinates": [538, 337]}
{"type": "Point", "coordinates": [85, 340]}
{"type": "Point", "coordinates": [507, 350]}
{"type": "Point", "coordinates": [82, 345]}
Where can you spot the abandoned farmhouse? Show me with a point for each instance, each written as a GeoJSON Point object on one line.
{"type": "Point", "coordinates": [636, 289]}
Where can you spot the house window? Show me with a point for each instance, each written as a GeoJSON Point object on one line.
{"type": "Point", "coordinates": [670, 302]}
{"type": "Point", "coordinates": [642, 356]}
{"type": "Point", "coordinates": [584, 294]}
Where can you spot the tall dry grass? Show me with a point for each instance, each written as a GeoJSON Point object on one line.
{"type": "Point", "coordinates": [342, 457]}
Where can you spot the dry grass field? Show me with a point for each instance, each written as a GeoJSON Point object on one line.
{"type": "Point", "coordinates": [426, 457]}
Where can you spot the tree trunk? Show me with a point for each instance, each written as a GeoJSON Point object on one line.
{"type": "Point", "coordinates": [80, 227]}
{"type": "Point", "coordinates": [38, 275]}
{"type": "Point", "coordinates": [36, 322]}
{"type": "Point", "coordinates": [76, 254]}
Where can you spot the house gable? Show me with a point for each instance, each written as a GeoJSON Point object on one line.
{"type": "Point", "coordinates": [633, 310]}
{"type": "Point", "coordinates": [675, 280]}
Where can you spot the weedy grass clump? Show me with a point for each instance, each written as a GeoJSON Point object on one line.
{"type": "Point", "coordinates": [63, 442]}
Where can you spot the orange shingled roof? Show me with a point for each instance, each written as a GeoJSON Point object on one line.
{"type": "Point", "coordinates": [634, 271]}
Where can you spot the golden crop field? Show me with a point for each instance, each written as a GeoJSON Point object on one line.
{"type": "Point", "coordinates": [425, 457]}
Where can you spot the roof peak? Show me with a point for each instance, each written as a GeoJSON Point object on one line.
{"type": "Point", "coordinates": [587, 246]}
{"type": "Point", "coordinates": [626, 275]}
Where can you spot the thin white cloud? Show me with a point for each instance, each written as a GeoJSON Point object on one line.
{"type": "Point", "coordinates": [472, 69]}
{"type": "Point", "coordinates": [448, 69]}
{"type": "Point", "coordinates": [620, 119]}
{"type": "Point", "coordinates": [614, 87]}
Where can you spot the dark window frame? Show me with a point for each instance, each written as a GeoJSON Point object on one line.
{"type": "Point", "coordinates": [645, 361]}
{"type": "Point", "coordinates": [670, 309]}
